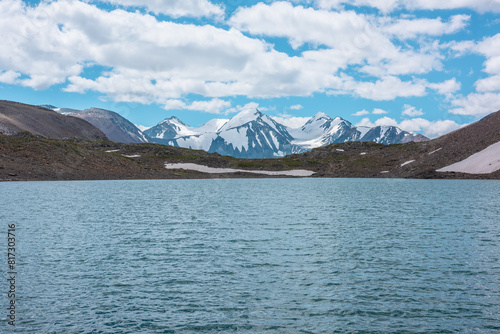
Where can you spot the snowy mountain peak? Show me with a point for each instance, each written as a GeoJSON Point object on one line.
{"type": "Point", "coordinates": [320, 115]}
{"type": "Point", "coordinates": [252, 134]}
{"type": "Point", "coordinates": [170, 128]}
{"type": "Point", "coordinates": [172, 120]}
{"type": "Point", "coordinates": [213, 125]}
{"type": "Point", "coordinates": [242, 118]}
{"type": "Point", "coordinates": [247, 115]}
{"type": "Point", "coordinates": [322, 120]}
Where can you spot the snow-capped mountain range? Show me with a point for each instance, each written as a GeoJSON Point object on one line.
{"type": "Point", "coordinates": [249, 134]}
{"type": "Point", "coordinates": [252, 134]}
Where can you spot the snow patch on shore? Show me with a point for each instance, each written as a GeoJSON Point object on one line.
{"type": "Point", "coordinates": [484, 162]}
{"type": "Point", "coordinates": [211, 170]}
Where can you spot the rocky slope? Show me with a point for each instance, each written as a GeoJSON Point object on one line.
{"type": "Point", "coordinates": [116, 127]}
{"type": "Point", "coordinates": [18, 117]}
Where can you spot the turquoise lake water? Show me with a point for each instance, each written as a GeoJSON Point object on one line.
{"type": "Point", "coordinates": [253, 256]}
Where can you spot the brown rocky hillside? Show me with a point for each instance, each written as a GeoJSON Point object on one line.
{"type": "Point", "coordinates": [18, 117]}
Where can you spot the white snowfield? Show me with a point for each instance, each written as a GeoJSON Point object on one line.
{"type": "Point", "coordinates": [211, 170]}
{"type": "Point", "coordinates": [484, 162]}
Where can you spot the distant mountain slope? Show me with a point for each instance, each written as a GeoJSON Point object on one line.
{"type": "Point", "coordinates": [391, 135]}
{"type": "Point", "coordinates": [249, 134]}
{"type": "Point", "coordinates": [170, 128]}
{"type": "Point", "coordinates": [429, 159]}
{"type": "Point", "coordinates": [322, 130]}
{"type": "Point", "coordinates": [116, 127]}
{"type": "Point", "coordinates": [252, 134]}
{"type": "Point", "coordinates": [18, 117]}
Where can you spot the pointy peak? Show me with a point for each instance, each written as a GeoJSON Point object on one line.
{"type": "Point", "coordinates": [319, 118]}
{"type": "Point", "coordinates": [250, 114]}
{"type": "Point", "coordinates": [172, 119]}
{"type": "Point", "coordinates": [243, 117]}
{"type": "Point", "coordinates": [321, 115]}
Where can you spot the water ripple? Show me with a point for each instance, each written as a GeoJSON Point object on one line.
{"type": "Point", "coordinates": [256, 256]}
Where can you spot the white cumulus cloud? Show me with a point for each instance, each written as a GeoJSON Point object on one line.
{"type": "Point", "coordinates": [9, 77]}
{"type": "Point", "coordinates": [486, 98]}
{"type": "Point", "coordinates": [378, 111]}
{"type": "Point", "coordinates": [412, 28]}
{"type": "Point", "coordinates": [490, 84]}
{"type": "Point", "coordinates": [239, 108]}
{"type": "Point", "coordinates": [428, 128]}
{"type": "Point", "coordinates": [391, 5]}
{"type": "Point", "coordinates": [476, 104]}
{"type": "Point", "coordinates": [375, 111]}
{"type": "Point", "coordinates": [361, 113]}
{"type": "Point", "coordinates": [292, 122]}
{"type": "Point", "coordinates": [411, 111]}
{"type": "Point", "coordinates": [351, 38]}
{"type": "Point", "coordinates": [431, 129]}
{"type": "Point", "coordinates": [214, 106]}
{"type": "Point", "coordinates": [387, 88]}
{"type": "Point", "coordinates": [175, 8]}
{"type": "Point", "coordinates": [447, 87]}
{"type": "Point", "coordinates": [136, 57]}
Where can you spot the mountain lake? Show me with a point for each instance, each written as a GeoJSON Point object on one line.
{"type": "Point", "coordinates": [251, 256]}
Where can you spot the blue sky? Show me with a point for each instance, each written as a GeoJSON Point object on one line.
{"type": "Point", "coordinates": [425, 66]}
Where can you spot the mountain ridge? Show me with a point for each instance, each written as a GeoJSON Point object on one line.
{"type": "Point", "coordinates": [252, 134]}
{"type": "Point", "coordinates": [25, 156]}
{"type": "Point", "coordinates": [16, 117]}
{"type": "Point", "coordinates": [116, 127]}
{"type": "Point", "coordinates": [249, 134]}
